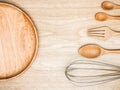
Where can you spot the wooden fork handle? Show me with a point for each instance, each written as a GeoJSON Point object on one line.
{"type": "Point", "coordinates": [117, 33]}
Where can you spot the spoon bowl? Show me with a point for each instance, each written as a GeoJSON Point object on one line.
{"type": "Point", "coordinates": [90, 51]}
{"type": "Point", "coordinates": [100, 16]}
{"type": "Point", "coordinates": [94, 50]}
{"type": "Point", "coordinates": [107, 5]}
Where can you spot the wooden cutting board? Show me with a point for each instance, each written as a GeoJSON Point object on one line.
{"type": "Point", "coordinates": [62, 26]}
{"type": "Point", "coordinates": [18, 40]}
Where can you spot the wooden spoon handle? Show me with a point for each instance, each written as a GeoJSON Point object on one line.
{"type": "Point", "coordinates": [116, 6]}
{"type": "Point", "coordinates": [117, 51]}
{"type": "Point", "coordinates": [114, 17]}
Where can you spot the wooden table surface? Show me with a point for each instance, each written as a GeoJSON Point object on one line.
{"type": "Point", "coordinates": [62, 26]}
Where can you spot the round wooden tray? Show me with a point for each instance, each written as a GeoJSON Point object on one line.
{"type": "Point", "coordinates": [18, 40]}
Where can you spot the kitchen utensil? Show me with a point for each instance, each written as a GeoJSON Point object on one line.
{"type": "Point", "coordinates": [101, 16]}
{"type": "Point", "coordinates": [18, 40]}
{"type": "Point", "coordinates": [107, 5]}
{"type": "Point", "coordinates": [88, 72]}
{"type": "Point", "coordinates": [102, 33]}
{"type": "Point", "coordinates": [94, 50]}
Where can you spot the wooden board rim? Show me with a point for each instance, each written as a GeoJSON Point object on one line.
{"type": "Point", "coordinates": [36, 38]}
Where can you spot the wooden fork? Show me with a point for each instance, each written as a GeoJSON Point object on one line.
{"type": "Point", "coordinates": [102, 33]}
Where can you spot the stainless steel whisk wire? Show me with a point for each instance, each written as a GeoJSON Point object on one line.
{"type": "Point", "coordinates": [114, 75]}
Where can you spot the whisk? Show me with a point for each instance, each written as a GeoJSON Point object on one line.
{"type": "Point", "coordinates": [88, 73]}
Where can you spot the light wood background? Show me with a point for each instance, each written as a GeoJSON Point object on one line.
{"type": "Point", "coordinates": [62, 26]}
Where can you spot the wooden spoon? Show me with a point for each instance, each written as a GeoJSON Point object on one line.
{"type": "Point", "coordinates": [94, 50]}
{"type": "Point", "coordinates": [107, 5]}
{"type": "Point", "coordinates": [101, 16]}
{"type": "Point", "coordinates": [18, 40]}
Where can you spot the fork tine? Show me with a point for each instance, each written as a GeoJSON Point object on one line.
{"type": "Point", "coordinates": [98, 28]}
{"type": "Point", "coordinates": [93, 35]}
{"type": "Point", "coordinates": [96, 33]}
{"type": "Point", "coordinates": [99, 32]}
{"type": "Point", "coordinates": [92, 30]}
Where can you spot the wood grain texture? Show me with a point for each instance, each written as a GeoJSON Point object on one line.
{"type": "Point", "coordinates": [17, 41]}
{"type": "Point", "coordinates": [62, 26]}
